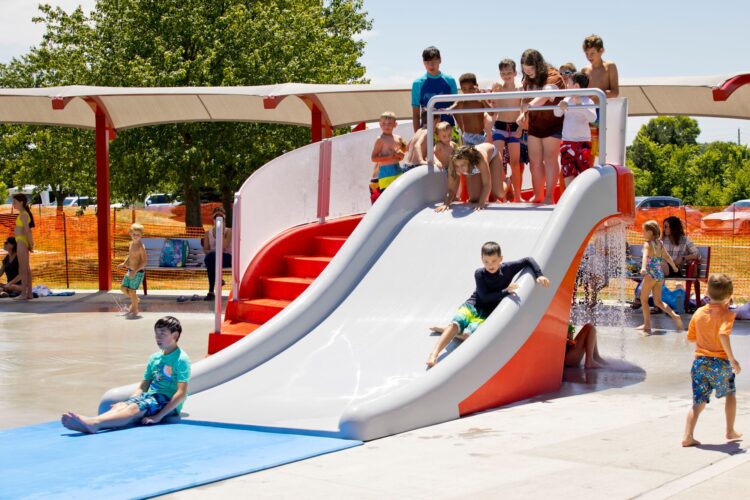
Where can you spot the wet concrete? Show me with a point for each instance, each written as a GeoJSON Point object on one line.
{"type": "Point", "coordinates": [613, 432]}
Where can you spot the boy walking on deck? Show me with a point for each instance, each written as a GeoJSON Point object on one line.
{"type": "Point", "coordinates": [714, 367]}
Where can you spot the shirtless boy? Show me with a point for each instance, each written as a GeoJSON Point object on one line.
{"type": "Point", "coordinates": [505, 130]}
{"type": "Point", "coordinates": [388, 151]}
{"type": "Point", "coordinates": [475, 127]}
{"type": "Point", "coordinates": [602, 75]}
{"type": "Point", "coordinates": [445, 146]}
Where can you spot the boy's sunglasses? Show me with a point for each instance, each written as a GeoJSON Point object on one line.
{"type": "Point", "coordinates": [567, 72]}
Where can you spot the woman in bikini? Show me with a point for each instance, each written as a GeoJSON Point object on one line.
{"type": "Point", "coordinates": [25, 243]}
{"type": "Point", "coordinates": [653, 275]}
{"type": "Point", "coordinates": [480, 164]}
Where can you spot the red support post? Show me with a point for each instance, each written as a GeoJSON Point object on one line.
{"type": "Point", "coordinates": [317, 124]}
{"type": "Point", "coordinates": [102, 199]}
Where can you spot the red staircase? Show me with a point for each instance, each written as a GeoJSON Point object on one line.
{"type": "Point", "coordinates": [278, 274]}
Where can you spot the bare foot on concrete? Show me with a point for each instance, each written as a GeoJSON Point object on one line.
{"type": "Point", "coordinates": [690, 441]}
{"type": "Point", "coordinates": [734, 435]}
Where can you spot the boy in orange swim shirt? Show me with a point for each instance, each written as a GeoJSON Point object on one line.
{"type": "Point", "coordinates": [714, 367]}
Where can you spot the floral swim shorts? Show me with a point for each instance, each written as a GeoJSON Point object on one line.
{"type": "Point", "coordinates": [709, 374]}
{"type": "Point", "coordinates": [151, 403]}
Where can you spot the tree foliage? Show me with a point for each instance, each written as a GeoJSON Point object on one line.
{"type": "Point", "coordinates": [667, 160]}
{"type": "Point", "coordinates": [183, 43]}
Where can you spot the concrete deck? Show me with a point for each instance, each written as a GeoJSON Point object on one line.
{"type": "Point", "coordinates": [611, 433]}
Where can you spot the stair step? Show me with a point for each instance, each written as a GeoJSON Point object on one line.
{"type": "Point", "coordinates": [260, 310]}
{"type": "Point", "coordinates": [306, 266]}
{"type": "Point", "coordinates": [285, 287]}
{"type": "Point", "coordinates": [231, 332]}
{"type": "Point", "coordinates": [329, 245]}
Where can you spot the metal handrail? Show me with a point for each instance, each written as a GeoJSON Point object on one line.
{"type": "Point", "coordinates": [531, 94]}
{"type": "Point", "coordinates": [236, 228]}
{"type": "Point", "coordinates": [219, 238]}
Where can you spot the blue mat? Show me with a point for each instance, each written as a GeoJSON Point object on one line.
{"type": "Point", "coordinates": [49, 461]}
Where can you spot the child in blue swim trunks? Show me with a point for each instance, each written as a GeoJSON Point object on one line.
{"type": "Point", "coordinates": [388, 151]}
{"type": "Point", "coordinates": [161, 393]}
{"type": "Point", "coordinates": [715, 366]}
{"type": "Point", "coordinates": [135, 264]}
{"type": "Point", "coordinates": [493, 283]}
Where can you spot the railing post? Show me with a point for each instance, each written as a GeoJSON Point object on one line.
{"type": "Point", "coordinates": [236, 234]}
{"type": "Point", "coordinates": [324, 179]}
{"type": "Point", "coordinates": [219, 228]}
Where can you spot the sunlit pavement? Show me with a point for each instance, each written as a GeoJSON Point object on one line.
{"type": "Point", "coordinates": [610, 433]}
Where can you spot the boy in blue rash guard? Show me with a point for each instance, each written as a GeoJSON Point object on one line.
{"type": "Point", "coordinates": [493, 284]}
{"type": "Point", "coordinates": [432, 83]}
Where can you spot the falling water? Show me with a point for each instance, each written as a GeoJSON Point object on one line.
{"type": "Point", "coordinates": [600, 285]}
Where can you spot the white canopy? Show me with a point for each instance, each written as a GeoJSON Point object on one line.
{"type": "Point", "coordinates": [341, 105]}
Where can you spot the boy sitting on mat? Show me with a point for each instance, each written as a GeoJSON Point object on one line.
{"type": "Point", "coordinates": [162, 392]}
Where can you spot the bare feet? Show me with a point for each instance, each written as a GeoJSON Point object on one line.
{"type": "Point", "coordinates": [690, 441]}
{"type": "Point", "coordinates": [78, 423]}
{"type": "Point", "coordinates": [592, 365]}
{"type": "Point", "coordinates": [678, 322]}
{"type": "Point", "coordinates": [645, 329]}
{"type": "Point", "coordinates": [734, 435]}
{"type": "Point", "coordinates": [432, 360]}
{"type": "Point", "coordinates": [536, 200]}
{"type": "Point", "coordinates": [437, 329]}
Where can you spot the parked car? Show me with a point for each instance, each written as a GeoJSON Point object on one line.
{"type": "Point", "coordinates": [155, 201]}
{"type": "Point", "coordinates": [34, 194]}
{"type": "Point", "coordinates": [661, 207]}
{"type": "Point", "coordinates": [79, 201]}
{"type": "Point", "coordinates": [735, 219]}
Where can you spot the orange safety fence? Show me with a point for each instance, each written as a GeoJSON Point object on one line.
{"type": "Point", "coordinates": [65, 246]}
{"type": "Point", "coordinates": [65, 253]}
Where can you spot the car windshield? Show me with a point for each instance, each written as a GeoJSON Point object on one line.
{"type": "Point", "coordinates": [67, 202]}
{"type": "Point", "coordinates": [741, 204]}
{"type": "Point", "coordinates": [158, 198]}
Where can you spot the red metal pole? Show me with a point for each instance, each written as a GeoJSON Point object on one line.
{"type": "Point", "coordinates": [317, 124]}
{"type": "Point", "coordinates": [102, 200]}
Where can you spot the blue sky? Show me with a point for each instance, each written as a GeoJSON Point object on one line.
{"type": "Point", "coordinates": [644, 38]}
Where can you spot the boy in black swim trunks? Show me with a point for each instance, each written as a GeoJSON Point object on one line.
{"type": "Point", "coordinates": [506, 130]}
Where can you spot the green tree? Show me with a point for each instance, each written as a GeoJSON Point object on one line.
{"type": "Point", "coordinates": [675, 130]}
{"type": "Point", "coordinates": [234, 42]}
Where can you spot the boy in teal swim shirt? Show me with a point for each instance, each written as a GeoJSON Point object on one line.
{"type": "Point", "coordinates": [162, 392]}
{"type": "Point", "coordinates": [432, 83]}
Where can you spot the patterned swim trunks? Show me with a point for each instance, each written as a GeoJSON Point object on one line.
{"type": "Point", "coordinates": [709, 374]}
{"type": "Point", "coordinates": [575, 157]}
{"type": "Point", "coordinates": [467, 319]}
{"type": "Point", "coordinates": [150, 403]}
{"type": "Point", "coordinates": [132, 283]}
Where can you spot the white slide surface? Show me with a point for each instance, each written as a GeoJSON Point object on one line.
{"type": "Point", "coordinates": [347, 358]}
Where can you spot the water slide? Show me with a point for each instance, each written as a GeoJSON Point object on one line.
{"type": "Point", "coordinates": [347, 358]}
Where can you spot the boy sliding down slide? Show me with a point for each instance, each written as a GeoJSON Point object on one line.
{"type": "Point", "coordinates": [161, 393]}
{"type": "Point", "coordinates": [493, 283]}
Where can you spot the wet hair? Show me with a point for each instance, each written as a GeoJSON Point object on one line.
{"type": "Point", "coordinates": [388, 114]}
{"type": "Point", "coordinates": [468, 153]}
{"type": "Point", "coordinates": [25, 203]}
{"type": "Point", "coordinates": [491, 248]}
{"type": "Point", "coordinates": [169, 323]}
{"type": "Point", "coordinates": [581, 79]}
{"type": "Point", "coordinates": [443, 126]}
{"type": "Point", "coordinates": [12, 241]}
{"type": "Point", "coordinates": [430, 53]}
{"type": "Point", "coordinates": [507, 63]}
{"type": "Point", "coordinates": [531, 57]}
{"type": "Point", "coordinates": [568, 67]}
{"type": "Point", "coordinates": [676, 231]}
{"type": "Point", "coordinates": [137, 228]}
{"type": "Point", "coordinates": [593, 42]}
{"type": "Point", "coordinates": [467, 78]}
{"type": "Point", "coordinates": [720, 286]}
{"type": "Point", "coordinates": [218, 211]}
{"type": "Point", "coordinates": [652, 226]}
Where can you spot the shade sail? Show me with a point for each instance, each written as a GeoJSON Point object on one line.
{"type": "Point", "coordinates": [341, 105]}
